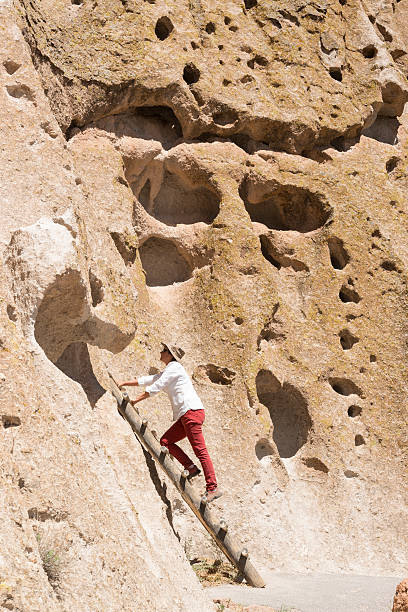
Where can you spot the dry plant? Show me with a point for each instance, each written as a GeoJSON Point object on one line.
{"type": "Point", "coordinates": [51, 548]}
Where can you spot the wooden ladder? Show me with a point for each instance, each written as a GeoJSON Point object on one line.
{"type": "Point", "coordinates": [218, 531]}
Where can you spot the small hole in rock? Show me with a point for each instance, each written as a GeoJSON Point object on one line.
{"type": "Point", "coordinates": [392, 164]}
{"type": "Point", "coordinates": [354, 411]}
{"type": "Point", "coordinates": [336, 74]}
{"type": "Point", "coordinates": [210, 28]}
{"type": "Point", "coordinates": [347, 294]}
{"type": "Point", "coordinates": [359, 440]}
{"type": "Point", "coordinates": [76, 2]}
{"type": "Point", "coordinates": [227, 20]}
{"type": "Point", "coordinates": [369, 51]}
{"type": "Point", "coordinates": [347, 339]}
{"type": "Point", "coordinates": [11, 66]}
{"type": "Point", "coordinates": [265, 249]}
{"type": "Point", "coordinates": [373, 358]}
{"type": "Point", "coordinates": [350, 474]}
{"type": "Point", "coordinates": [250, 4]}
{"type": "Point", "coordinates": [191, 74]}
{"type": "Point", "coordinates": [164, 28]}
{"type": "Point", "coordinates": [387, 36]}
{"type": "Point", "coordinates": [11, 313]}
{"type": "Point", "coordinates": [216, 374]}
{"type": "Point", "coordinates": [344, 386]}
{"type": "Point", "coordinates": [9, 420]}
{"type": "Point", "coordinates": [315, 464]}
{"type": "Point", "coordinates": [194, 45]}
{"type": "Point", "coordinates": [338, 255]}
{"type": "Point", "coordinates": [239, 320]}
{"type": "Point", "coordinates": [389, 265]}
{"type": "Point", "coordinates": [225, 117]}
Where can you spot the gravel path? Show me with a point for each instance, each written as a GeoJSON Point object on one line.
{"type": "Point", "coordinates": [315, 593]}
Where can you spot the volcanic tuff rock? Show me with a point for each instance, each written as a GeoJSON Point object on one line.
{"type": "Point", "coordinates": [401, 597]}
{"type": "Point", "coordinates": [233, 176]}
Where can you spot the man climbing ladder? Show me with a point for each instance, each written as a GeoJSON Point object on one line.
{"type": "Point", "coordinates": [188, 414]}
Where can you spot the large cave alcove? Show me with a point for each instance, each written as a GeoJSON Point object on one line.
{"type": "Point", "coordinates": [179, 201]}
{"type": "Point", "coordinates": [65, 325]}
{"type": "Point", "coordinates": [285, 207]}
{"type": "Point", "coordinates": [288, 411]}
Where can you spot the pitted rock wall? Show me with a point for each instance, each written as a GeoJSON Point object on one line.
{"type": "Point", "coordinates": [234, 178]}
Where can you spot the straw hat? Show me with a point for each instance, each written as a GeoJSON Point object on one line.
{"type": "Point", "coordinates": [174, 350]}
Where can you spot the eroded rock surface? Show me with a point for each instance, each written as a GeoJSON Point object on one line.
{"type": "Point", "coordinates": [233, 176]}
{"type": "Point", "coordinates": [401, 597]}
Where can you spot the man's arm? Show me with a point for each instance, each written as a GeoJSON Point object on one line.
{"type": "Point", "coordinates": [141, 381]}
{"type": "Point", "coordinates": [128, 383]}
{"type": "Point", "coordinates": [141, 397]}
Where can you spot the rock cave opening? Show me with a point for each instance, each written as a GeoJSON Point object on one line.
{"type": "Point", "coordinates": [370, 51]}
{"type": "Point", "coordinates": [315, 464]}
{"type": "Point", "coordinates": [218, 375]}
{"type": "Point", "coordinates": [280, 260]}
{"type": "Point", "coordinates": [347, 294]}
{"type": "Point", "coordinates": [354, 411]}
{"type": "Point", "coordinates": [338, 255]}
{"type": "Point", "coordinates": [64, 325]}
{"type": "Point", "coordinates": [179, 201]}
{"type": "Point", "coordinates": [266, 252]}
{"type": "Point", "coordinates": [336, 74]}
{"type": "Point", "coordinates": [288, 410]}
{"type": "Point", "coordinates": [191, 74]}
{"type": "Point", "coordinates": [347, 339]}
{"type": "Point", "coordinates": [344, 386]}
{"type": "Point", "coordinates": [163, 263]}
{"type": "Point", "coordinates": [384, 129]}
{"type": "Point", "coordinates": [10, 420]}
{"type": "Point", "coordinates": [164, 27]}
{"type": "Point", "coordinates": [157, 123]}
{"type": "Point", "coordinates": [286, 207]}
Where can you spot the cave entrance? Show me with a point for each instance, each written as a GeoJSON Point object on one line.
{"type": "Point", "coordinates": [180, 202]}
{"type": "Point", "coordinates": [163, 263]}
{"type": "Point", "coordinates": [286, 207]}
{"type": "Point", "coordinates": [288, 411]}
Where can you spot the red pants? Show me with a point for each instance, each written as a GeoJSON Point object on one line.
{"type": "Point", "coordinates": [190, 425]}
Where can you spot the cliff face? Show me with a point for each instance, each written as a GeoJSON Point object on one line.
{"type": "Point", "coordinates": [234, 178]}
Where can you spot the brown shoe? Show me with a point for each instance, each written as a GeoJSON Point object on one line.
{"type": "Point", "coordinates": [209, 496]}
{"type": "Point", "coordinates": [194, 472]}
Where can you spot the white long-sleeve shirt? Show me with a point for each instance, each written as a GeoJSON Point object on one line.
{"type": "Point", "coordinates": [178, 386]}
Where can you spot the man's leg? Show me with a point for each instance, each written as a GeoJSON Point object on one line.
{"type": "Point", "coordinates": [172, 435]}
{"type": "Point", "coordinates": [193, 421]}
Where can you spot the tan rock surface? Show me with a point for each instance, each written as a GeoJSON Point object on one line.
{"type": "Point", "coordinates": [234, 176]}
{"type": "Point", "coordinates": [401, 597]}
